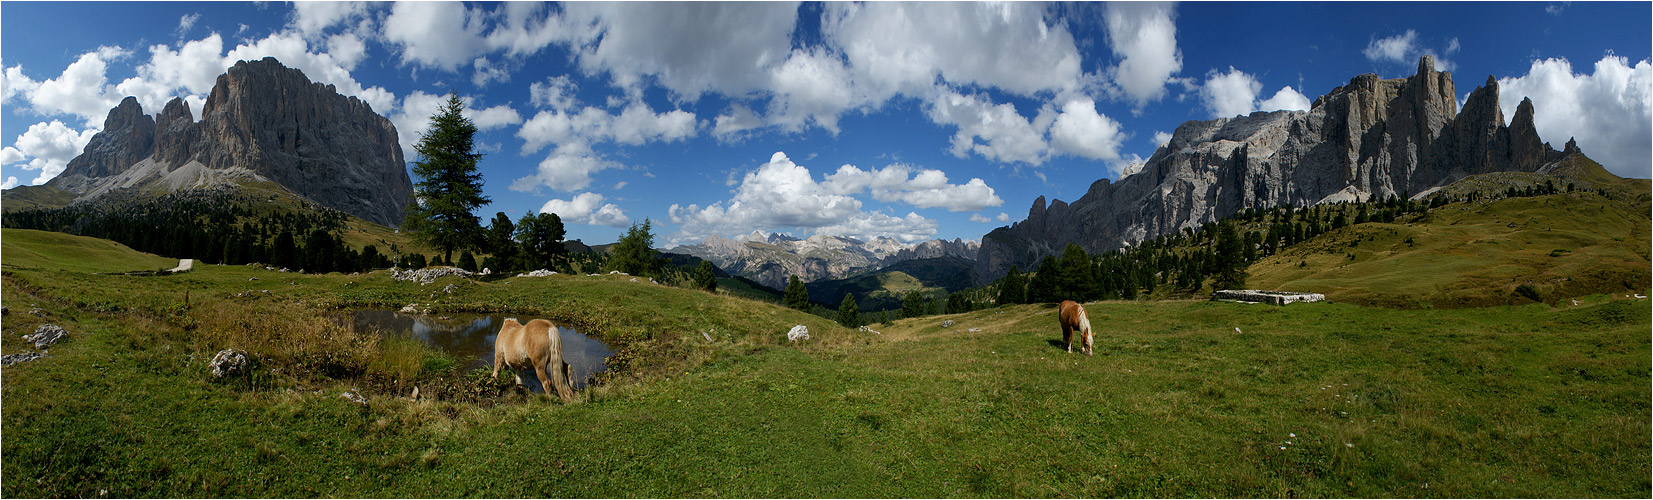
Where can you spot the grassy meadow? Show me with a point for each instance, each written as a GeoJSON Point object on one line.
{"type": "Point", "coordinates": [1474, 254]}
{"type": "Point", "coordinates": [1183, 398]}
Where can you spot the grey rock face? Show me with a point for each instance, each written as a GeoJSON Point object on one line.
{"type": "Point", "coordinates": [272, 121]}
{"type": "Point", "coordinates": [128, 137]}
{"type": "Point", "coordinates": [1369, 139]}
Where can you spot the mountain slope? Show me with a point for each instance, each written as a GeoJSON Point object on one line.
{"type": "Point", "coordinates": [1477, 253]}
{"type": "Point", "coordinates": [1370, 139]}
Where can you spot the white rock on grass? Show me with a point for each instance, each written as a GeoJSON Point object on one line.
{"type": "Point", "coordinates": [797, 333]}
{"type": "Point", "coordinates": [229, 363]}
{"type": "Point", "coordinates": [46, 335]}
{"type": "Point", "coordinates": [12, 359]}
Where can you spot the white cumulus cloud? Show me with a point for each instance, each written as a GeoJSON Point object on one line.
{"type": "Point", "coordinates": [1005, 135]}
{"type": "Point", "coordinates": [687, 47]}
{"type": "Point", "coordinates": [82, 90]}
{"type": "Point", "coordinates": [1229, 94]}
{"type": "Point", "coordinates": [570, 165]}
{"type": "Point", "coordinates": [1235, 93]}
{"type": "Point", "coordinates": [1285, 98]}
{"type": "Point", "coordinates": [781, 194]}
{"type": "Point", "coordinates": [1081, 131]}
{"type": "Point", "coordinates": [1144, 36]}
{"type": "Point", "coordinates": [587, 208]}
{"type": "Point", "coordinates": [47, 147]}
{"type": "Point", "coordinates": [1609, 111]}
{"type": "Point", "coordinates": [1405, 49]}
{"type": "Point", "coordinates": [925, 188]}
{"type": "Point", "coordinates": [443, 35]}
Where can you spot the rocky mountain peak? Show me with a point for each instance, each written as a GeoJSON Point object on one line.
{"type": "Point", "coordinates": [265, 120]}
{"type": "Point", "coordinates": [1369, 139]}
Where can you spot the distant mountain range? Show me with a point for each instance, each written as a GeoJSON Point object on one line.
{"type": "Point", "coordinates": [263, 123]}
{"type": "Point", "coordinates": [1370, 139]}
{"type": "Point", "coordinates": [771, 259]}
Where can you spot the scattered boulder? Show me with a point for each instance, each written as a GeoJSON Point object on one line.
{"type": "Point", "coordinates": [538, 273]}
{"type": "Point", "coordinates": [946, 323]}
{"type": "Point", "coordinates": [409, 309]}
{"type": "Point", "coordinates": [869, 329]}
{"type": "Point", "coordinates": [428, 275]}
{"type": "Point", "coordinates": [37, 312]}
{"type": "Point", "coordinates": [450, 288]}
{"type": "Point", "coordinates": [797, 333]}
{"type": "Point", "coordinates": [1266, 296]}
{"type": "Point", "coordinates": [46, 335]}
{"type": "Point", "coordinates": [12, 359]}
{"type": "Point", "coordinates": [354, 397]}
{"type": "Point", "coordinates": [229, 363]}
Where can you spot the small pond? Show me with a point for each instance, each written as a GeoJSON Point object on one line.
{"type": "Point", "coordinates": [471, 337]}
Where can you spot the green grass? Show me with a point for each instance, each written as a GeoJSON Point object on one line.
{"type": "Point", "coordinates": [1508, 401]}
{"type": "Point", "coordinates": [27, 248]}
{"type": "Point", "coordinates": [1474, 254]}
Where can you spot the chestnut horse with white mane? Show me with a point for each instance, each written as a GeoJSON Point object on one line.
{"type": "Point", "coordinates": [537, 344]}
{"type": "Point", "coordinates": [1073, 318]}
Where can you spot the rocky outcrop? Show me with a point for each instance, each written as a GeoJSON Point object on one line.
{"type": "Point", "coordinates": [1369, 139]}
{"type": "Point", "coordinates": [47, 336]}
{"type": "Point", "coordinates": [934, 249]}
{"type": "Point", "coordinates": [128, 137]}
{"type": "Point", "coordinates": [262, 121]}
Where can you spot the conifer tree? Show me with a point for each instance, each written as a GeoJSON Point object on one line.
{"type": "Point", "coordinates": [705, 276]}
{"type": "Point", "coordinates": [541, 238]}
{"type": "Point", "coordinates": [913, 305]}
{"type": "Point", "coordinates": [449, 185]}
{"type": "Point", "coordinates": [797, 295]}
{"type": "Point", "coordinates": [847, 314]}
{"type": "Point", "coordinates": [1013, 287]}
{"type": "Point", "coordinates": [500, 242]}
{"type": "Point", "coordinates": [1231, 265]}
{"type": "Point", "coordinates": [634, 253]}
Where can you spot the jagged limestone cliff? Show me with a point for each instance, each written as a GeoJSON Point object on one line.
{"type": "Point", "coordinates": [1372, 138]}
{"type": "Point", "coordinates": [262, 121]}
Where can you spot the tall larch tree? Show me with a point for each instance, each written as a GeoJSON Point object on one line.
{"type": "Point", "coordinates": [450, 187]}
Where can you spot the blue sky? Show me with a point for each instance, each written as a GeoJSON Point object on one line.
{"type": "Point", "coordinates": [914, 121]}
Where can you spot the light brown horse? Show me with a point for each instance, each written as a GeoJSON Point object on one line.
{"type": "Point", "coordinates": [537, 344]}
{"type": "Point", "coordinates": [1073, 317]}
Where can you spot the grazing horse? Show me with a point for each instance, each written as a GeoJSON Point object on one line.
{"type": "Point", "coordinates": [537, 344]}
{"type": "Point", "coordinates": [1073, 318]}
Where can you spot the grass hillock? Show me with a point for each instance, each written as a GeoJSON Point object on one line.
{"type": "Point", "coordinates": [27, 248]}
{"type": "Point", "coordinates": [1474, 254]}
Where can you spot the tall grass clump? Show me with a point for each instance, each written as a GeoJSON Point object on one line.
{"type": "Point", "coordinates": [291, 338]}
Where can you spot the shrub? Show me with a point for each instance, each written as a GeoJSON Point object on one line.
{"type": "Point", "coordinates": [1527, 291]}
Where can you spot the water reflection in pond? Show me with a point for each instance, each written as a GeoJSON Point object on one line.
{"type": "Point", "coordinates": [471, 337]}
